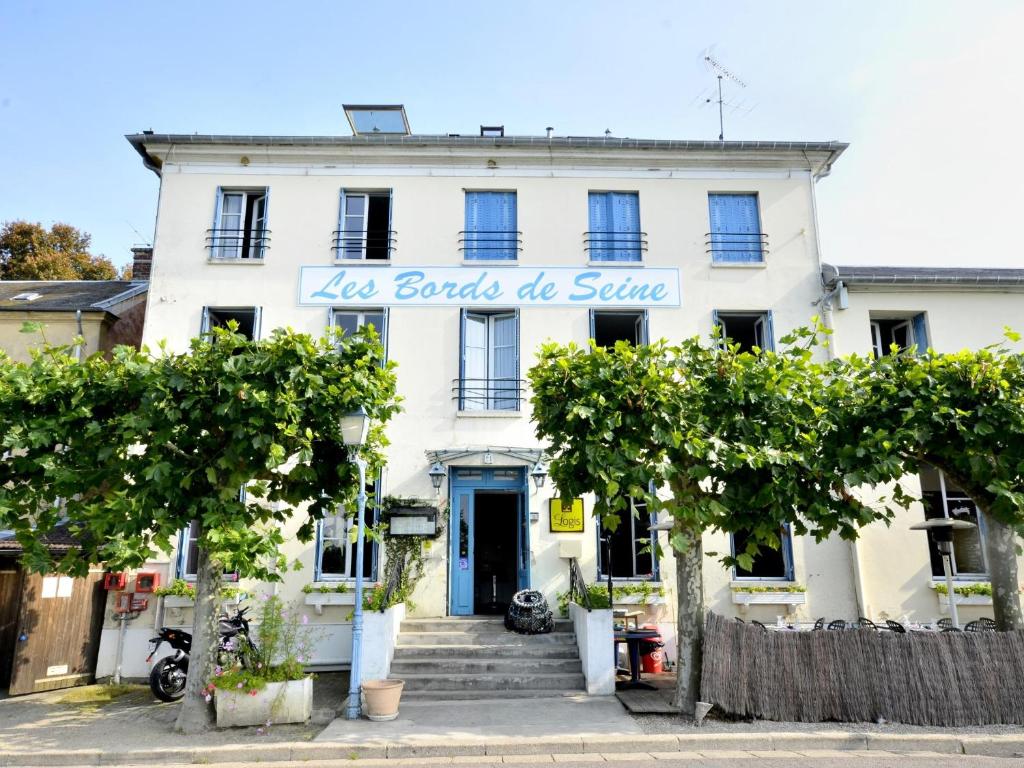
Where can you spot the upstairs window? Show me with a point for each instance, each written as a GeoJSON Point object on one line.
{"type": "Point", "coordinates": [490, 233]}
{"type": "Point", "coordinates": [631, 545]}
{"type": "Point", "coordinates": [188, 551]}
{"type": "Point", "coordinates": [748, 329]}
{"type": "Point", "coordinates": [489, 362]}
{"type": "Point", "coordinates": [351, 320]}
{"type": "Point", "coordinates": [365, 227]}
{"type": "Point", "coordinates": [943, 499]}
{"type": "Point", "coordinates": [248, 319]}
{"type": "Point", "coordinates": [769, 564]}
{"type": "Point", "coordinates": [904, 332]}
{"type": "Point", "coordinates": [614, 233]}
{"type": "Point", "coordinates": [240, 224]}
{"type": "Point", "coordinates": [736, 236]}
{"type": "Point", "coordinates": [335, 548]}
{"type": "Point", "coordinates": [606, 328]}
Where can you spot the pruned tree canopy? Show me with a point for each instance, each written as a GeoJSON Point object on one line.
{"type": "Point", "coordinates": [29, 251]}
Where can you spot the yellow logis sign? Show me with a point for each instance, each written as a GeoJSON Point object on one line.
{"type": "Point", "coordinates": [566, 520]}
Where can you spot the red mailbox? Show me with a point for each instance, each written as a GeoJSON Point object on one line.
{"type": "Point", "coordinates": [115, 581]}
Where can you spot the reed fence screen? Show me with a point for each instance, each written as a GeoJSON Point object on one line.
{"type": "Point", "coordinates": [861, 675]}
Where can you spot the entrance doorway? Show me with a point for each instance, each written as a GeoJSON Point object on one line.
{"type": "Point", "coordinates": [489, 533]}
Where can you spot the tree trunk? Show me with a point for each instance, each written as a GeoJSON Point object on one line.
{"type": "Point", "coordinates": [196, 714]}
{"type": "Point", "coordinates": [1000, 546]}
{"type": "Point", "coordinates": [690, 629]}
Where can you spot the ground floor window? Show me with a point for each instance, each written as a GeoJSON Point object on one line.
{"type": "Point", "coordinates": [335, 542]}
{"type": "Point", "coordinates": [768, 563]}
{"type": "Point", "coordinates": [630, 547]}
{"type": "Point", "coordinates": [943, 499]}
{"type": "Point", "coordinates": [188, 551]}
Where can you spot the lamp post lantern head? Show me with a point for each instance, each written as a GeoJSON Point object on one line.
{"type": "Point", "coordinates": [539, 473]}
{"type": "Point", "coordinates": [354, 428]}
{"type": "Point", "coordinates": [437, 473]}
{"type": "Point", "coordinates": [941, 530]}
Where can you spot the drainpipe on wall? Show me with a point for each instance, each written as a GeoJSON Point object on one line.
{"type": "Point", "coordinates": [78, 347]}
{"type": "Point", "coordinates": [826, 318]}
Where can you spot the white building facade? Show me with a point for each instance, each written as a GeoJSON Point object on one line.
{"type": "Point", "coordinates": [468, 253]}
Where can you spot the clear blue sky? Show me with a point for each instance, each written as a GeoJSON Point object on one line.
{"type": "Point", "coordinates": [928, 93]}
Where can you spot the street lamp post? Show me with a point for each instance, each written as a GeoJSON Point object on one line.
{"type": "Point", "coordinates": [354, 428]}
{"type": "Point", "coordinates": [941, 530]}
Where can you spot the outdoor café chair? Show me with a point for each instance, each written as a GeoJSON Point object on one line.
{"type": "Point", "coordinates": [895, 626]}
{"type": "Point", "coordinates": [978, 626]}
{"type": "Point", "coordinates": [759, 624]}
{"type": "Point", "coordinates": [819, 624]}
{"type": "Point", "coordinates": [865, 623]}
{"type": "Point", "coordinates": [988, 624]}
{"type": "Point", "coordinates": [837, 624]}
{"type": "Point", "coordinates": [944, 623]}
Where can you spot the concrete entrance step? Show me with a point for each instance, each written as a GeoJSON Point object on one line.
{"type": "Point", "coordinates": [485, 638]}
{"type": "Point", "coordinates": [454, 666]}
{"type": "Point", "coordinates": [493, 682]}
{"type": "Point", "coordinates": [422, 697]}
{"type": "Point", "coordinates": [472, 624]}
{"type": "Point", "coordinates": [463, 651]}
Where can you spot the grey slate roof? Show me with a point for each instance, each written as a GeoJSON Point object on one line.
{"type": "Point", "coordinates": [68, 295]}
{"type": "Point", "coordinates": [931, 277]}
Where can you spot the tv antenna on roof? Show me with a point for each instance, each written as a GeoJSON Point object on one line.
{"type": "Point", "coordinates": [721, 72]}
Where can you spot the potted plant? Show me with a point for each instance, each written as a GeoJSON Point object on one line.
{"type": "Point", "coordinates": [266, 681]}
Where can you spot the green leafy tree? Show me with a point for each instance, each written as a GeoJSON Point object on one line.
{"type": "Point", "coordinates": [139, 446]}
{"type": "Point", "coordinates": [31, 252]}
{"type": "Point", "coordinates": [962, 413]}
{"type": "Point", "coordinates": [734, 441]}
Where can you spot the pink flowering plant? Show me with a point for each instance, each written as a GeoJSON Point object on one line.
{"type": "Point", "coordinates": [279, 652]}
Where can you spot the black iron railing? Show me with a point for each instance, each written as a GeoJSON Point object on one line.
{"type": "Point", "coordinates": [615, 246]}
{"type": "Point", "coordinates": [491, 244]}
{"type": "Point", "coordinates": [488, 394]}
{"type": "Point", "coordinates": [578, 592]}
{"type": "Point", "coordinates": [738, 247]}
{"type": "Point", "coordinates": [372, 245]}
{"type": "Point", "coordinates": [232, 244]}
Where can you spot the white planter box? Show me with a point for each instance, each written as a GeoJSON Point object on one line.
{"type": "Point", "coordinates": [769, 598]}
{"type": "Point", "coordinates": [963, 600]}
{"type": "Point", "coordinates": [640, 600]}
{"type": "Point", "coordinates": [290, 702]}
{"type": "Point", "coordinates": [174, 601]}
{"type": "Point", "coordinates": [595, 640]}
{"type": "Point", "coordinates": [380, 635]}
{"type": "Point", "coordinates": [319, 599]}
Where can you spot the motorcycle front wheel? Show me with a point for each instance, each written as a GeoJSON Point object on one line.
{"type": "Point", "coordinates": [167, 680]}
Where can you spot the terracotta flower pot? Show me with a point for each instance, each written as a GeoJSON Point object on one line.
{"type": "Point", "coordinates": [382, 698]}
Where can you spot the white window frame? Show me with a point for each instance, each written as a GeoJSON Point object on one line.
{"type": "Point", "coordinates": [360, 314]}
{"type": "Point", "coordinates": [762, 328]}
{"type": "Point", "coordinates": [221, 250]}
{"type": "Point", "coordinates": [342, 251]}
{"type": "Point", "coordinates": [204, 325]}
{"type": "Point", "coordinates": [785, 546]}
{"type": "Point", "coordinates": [349, 523]}
{"type": "Point", "coordinates": [185, 540]}
{"type": "Point", "coordinates": [628, 518]}
{"type": "Point", "coordinates": [948, 500]}
{"type": "Point", "coordinates": [492, 400]}
{"type": "Point", "coordinates": [880, 348]}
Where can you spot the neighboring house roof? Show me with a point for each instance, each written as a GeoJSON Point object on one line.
{"type": "Point", "coordinates": [57, 540]}
{"type": "Point", "coordinates": [923, 278]}
{"type": "Point", "coordinates": [67, 295]}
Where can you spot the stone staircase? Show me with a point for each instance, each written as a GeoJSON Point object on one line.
{"type": "Point", "coordinates": [476, 658]}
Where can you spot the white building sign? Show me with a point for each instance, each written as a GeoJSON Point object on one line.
{"type": "Point", "coordinates": [481, 286]}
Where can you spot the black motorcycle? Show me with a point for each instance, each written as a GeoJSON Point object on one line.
{"type": "Point", "coordinates": [167, 680]}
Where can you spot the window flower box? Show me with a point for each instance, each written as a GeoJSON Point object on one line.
{"type": "Point", "coordinates": [177, 601]}
{"type": "Point", "coordinates": [788, 596]}
{"type": "Point", "coordinates": [319, 599]}
{"type": "Point", "coordinates": [654, 599]}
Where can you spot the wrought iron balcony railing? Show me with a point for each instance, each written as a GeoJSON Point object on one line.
{"type": "Point", "coordinates": [370, 246]}
{"type": "Point", "coordinates": [737, 247]}
{"type": "Point", "coordinates": [488, 394]}
{"type": "Point", "coordinates": [615, 246]}
{"type": "Point", "coordinates": [491, 245]}
{"type": "Point", "coordinates": [237, 244]}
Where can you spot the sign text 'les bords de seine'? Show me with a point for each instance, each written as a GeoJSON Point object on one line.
{"type": "Point", "coordinates": [481, 286]}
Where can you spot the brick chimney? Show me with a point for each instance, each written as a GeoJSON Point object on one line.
{"type": "Point", "coordinates": [142, 262]}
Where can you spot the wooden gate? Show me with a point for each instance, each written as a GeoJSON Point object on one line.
{"type": "Point", "coordinates": [58, 632]}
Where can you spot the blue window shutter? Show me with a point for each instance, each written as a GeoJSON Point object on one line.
{"type": "Point", "coordinates": [920, 334]}
{"type": "Point", "coordinates": [600, 227]}
{"type": "Point", "coordinates": [769, 331]}
{"type": "Point", "coordinates": [462, 358]}
{"type": "Point", "coordinates": [787, 551]}
{"type": "Point", "coordinates": [592, 322]}
{"type": "Point", "coordinates": [735, 228]}
{"type": "Point", "coordinates": [504, 352]}
{"type": "Point", "coordinates": [385, 331]}
{"type": "Point", "coordinates": [626, 226]}
{"type": "Point", "coordinates": [318, 550]}
{"type": "Point", "coordinates": [716, 322]}
{"type": "Point", "coordinates": [491, 226]}
{"type": "Point", "coordinates": [472, 226]}
{"type": "Point", "coordinates": [645, 327]}
{"type": "Point", "coordinates": [505, 204]}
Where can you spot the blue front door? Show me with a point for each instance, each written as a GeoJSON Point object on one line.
{"type": "Point", "coordinates": [466, 483]}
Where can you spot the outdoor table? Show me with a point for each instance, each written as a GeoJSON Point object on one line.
{"type": "Point", "coordinates": [632, 638]}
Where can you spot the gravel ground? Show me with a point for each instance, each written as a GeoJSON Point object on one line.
{"type": "Point", "coordinates": [135, 720]}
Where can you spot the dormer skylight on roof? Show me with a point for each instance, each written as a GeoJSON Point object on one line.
{"type": "Point", "coordinates": [379, 119]}
{"type": "Point", "coordinates": [27, 296]}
